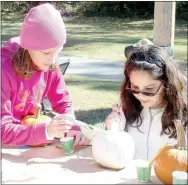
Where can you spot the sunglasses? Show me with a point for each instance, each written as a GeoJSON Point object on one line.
{"type": "Point", "coordinates": [139, 56]}
{"type": "Point", "coordinates": [143, 92]}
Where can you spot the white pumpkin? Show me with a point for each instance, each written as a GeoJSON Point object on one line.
{"type": "Point", "coordinates": [112, 149]}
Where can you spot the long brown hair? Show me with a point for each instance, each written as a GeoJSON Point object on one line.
{"type": "Point", "coordinates": [23, 65]}
{"type": "Point", "coordinates": [165, 69]}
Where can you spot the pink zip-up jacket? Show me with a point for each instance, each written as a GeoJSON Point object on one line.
{"type": "Point", "coordinates": [19, 98]}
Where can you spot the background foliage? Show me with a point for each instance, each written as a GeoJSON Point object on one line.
{"type": "Point", "coordinates": [122, 9]}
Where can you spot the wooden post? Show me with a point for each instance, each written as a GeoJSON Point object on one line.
{"type": "Point", "coordinates": [164, 23]}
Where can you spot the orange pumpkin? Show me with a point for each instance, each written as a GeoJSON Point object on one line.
{"type": "Point", "coordinates": [37, 118]}
{"type": "Point", "coordinates": [173, 157]}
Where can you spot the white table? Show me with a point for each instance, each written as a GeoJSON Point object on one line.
{"type": "Point", "coordinates": [48, 165]}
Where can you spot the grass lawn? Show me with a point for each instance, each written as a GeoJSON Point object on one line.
{"type": "Point", "coordinates": [101, 38]}
{"type": "Point", "coordinates": [92, 98]}
{"type": "Point", "coordinates": [105, 38]}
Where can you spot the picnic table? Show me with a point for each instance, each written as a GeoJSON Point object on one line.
{"type": "Point", "coordinates": [49, 165]}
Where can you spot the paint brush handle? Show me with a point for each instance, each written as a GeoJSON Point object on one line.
{"type": "Point", "coordinates": [89, 126]}
{"type": "Point", "coordinates": [151, 162]}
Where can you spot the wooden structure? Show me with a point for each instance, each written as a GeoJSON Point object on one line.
{"type": "Point", "coordinates": [164, 23]}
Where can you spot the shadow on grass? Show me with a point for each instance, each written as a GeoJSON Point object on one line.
{"type": "Point", "coordinates": [183, 67]}
{"type": "Point", "coordinates": [96, 84]}
{"type": "Point", "coordinates": [77, 41]}
{"type": "Point", "coordinates": [6, 37]}
{"type": "Point", "coordinates": [11, 17]}
{"type": "Point", "coordinates": [72, 41]}
{"type": "Point", "coordinates": [88, 31]}
{"type": "Point", "coordinates": [181, 42]}
{"type": "Point", "coordinates": [112, 22]}
{"type": "Point", "coordinates": [98, 29]}
{"type": "Point", "coordinates": [93, 116]}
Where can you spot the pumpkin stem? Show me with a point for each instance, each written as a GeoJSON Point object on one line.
{"type": "Point", "coordinates": [38, 109]}
{"type": "Point", "coordinates": [181, 143]}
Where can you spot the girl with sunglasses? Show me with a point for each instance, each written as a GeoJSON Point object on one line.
{"type": "Point", "coordinates": [153, 94]}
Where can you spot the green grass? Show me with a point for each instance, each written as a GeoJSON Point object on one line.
{"type": "Point", "coordinates": [92, 98]}
{"type": "Point", "coordinates": [105, 38]}
{"type": "Point", "coordinates": [102, 38]}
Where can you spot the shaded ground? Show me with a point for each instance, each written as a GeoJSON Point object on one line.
{"type": "Point", "coordinates": [102, 38]}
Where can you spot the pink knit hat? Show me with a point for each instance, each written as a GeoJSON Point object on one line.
{"type": "Point", "coordinates": [43, 28]}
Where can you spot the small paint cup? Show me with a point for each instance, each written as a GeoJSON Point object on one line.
{"type": "Point", "coordinates": [179, 177]}
{"type": "Point", "coordinates": [67, 144]}
{"type": "Point", "coordinates": [143, 171]}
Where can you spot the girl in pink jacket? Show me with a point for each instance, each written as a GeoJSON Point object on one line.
{"type": "Point", "coordinates": [30, 72]}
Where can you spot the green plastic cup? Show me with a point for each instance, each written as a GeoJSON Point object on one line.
{"type": "Point", "coordinates": [179, 177]}
{"type": "Point", "coordinates": [67, 144]}
{"type": "Point", "coordinates": [143, 171]}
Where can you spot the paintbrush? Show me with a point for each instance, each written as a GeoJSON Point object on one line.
{"type": "Point", "coordinates": [151, 162]}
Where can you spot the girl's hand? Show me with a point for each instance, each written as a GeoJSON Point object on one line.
{"type": "Point", "coordinates": [116, 119]}
{"type": "Point", "coordinates": [58, 127]}
{"type": "Point", "coordinates": [80, 138]}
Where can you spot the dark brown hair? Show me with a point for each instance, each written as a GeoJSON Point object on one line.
{"type": "Point", "coordinates": [175, 87]}
{"type": "Point", "coordinates": [23, 65]}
